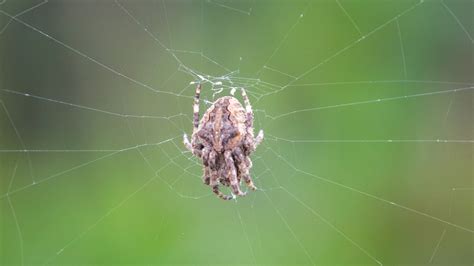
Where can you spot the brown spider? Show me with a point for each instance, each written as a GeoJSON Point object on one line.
{"type": "Point", "coordinates": [224, 140]}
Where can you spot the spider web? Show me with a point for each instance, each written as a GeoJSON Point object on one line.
{"type": "Point", "coordinates": [366, 107]}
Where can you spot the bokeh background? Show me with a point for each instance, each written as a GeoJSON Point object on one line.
{"type": "Point", "coordinates": [95, 97]}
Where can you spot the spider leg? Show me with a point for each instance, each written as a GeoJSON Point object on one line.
{"type": "Point", "coordinates": [206, 178]}
{"type": "Point", "coordinates": [190, 144]}
{"type": "Point", "coordinates": [258, 139]}
{"type": "Point", "coordinates": [215, 189]}
{"type": "Point", "coordinates": [205, 159]}
{"type": "Point", "coordinates": [187, 143]}
{"type": "Point", "coordinates": [197, 150]}
{"type": "Point", "coordinates": [214, 177]}
{"type": "Point", "coordinates": [232, 174]}
{"type": "Point", "coordinates": [244, 164]}
{"type": "Point", "coordinates": [249, 122]}
{"type": "Point", "coordinates": [196, 108]}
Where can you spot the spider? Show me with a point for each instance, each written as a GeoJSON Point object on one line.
{"type": "Point", "coordinates": [224, 140]}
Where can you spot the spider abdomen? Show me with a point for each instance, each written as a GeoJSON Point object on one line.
{"type": "Point", "coordinates": [223, 124]}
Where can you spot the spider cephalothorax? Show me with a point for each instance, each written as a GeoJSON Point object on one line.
{"type": "Point", "coordinates": [224, 140]}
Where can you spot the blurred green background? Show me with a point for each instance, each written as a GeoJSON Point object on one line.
{"type": "Point", "coordinates": [96, 96]}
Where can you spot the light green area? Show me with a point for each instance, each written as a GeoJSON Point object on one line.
{"type": "Point", "coordinates": [345, 178]}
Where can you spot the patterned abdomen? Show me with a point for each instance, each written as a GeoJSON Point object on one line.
{"type": "Point", "coordinates": [226, 122]}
